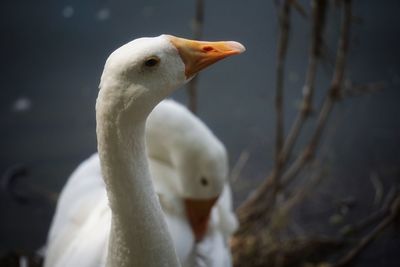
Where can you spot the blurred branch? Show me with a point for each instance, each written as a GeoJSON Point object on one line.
{"type": "Point", "coordinates": [282, 150]}
{"type": "Point", "coordinates": [299, 8]}
{"type": "Point", "coordinates": [197, 35]}
{"type": "Point", "coordinates": [394, 213]}
{"type": "Point", "coordinates": [265, 215]}
{"type": "Point", "coordinates": [239, 165]}
{"type": "Point", "coordinates": [250, 208]}
{"type": "Point", "coordinates": [351, 90]}
{"type": "Point", "coordinates": [378, 186]}
{"type": "Point", "coordinates": [333, 95]}
{"type": "Point", "coordinates": [371, 219]}
{"type": "Point", "coordinates": [24, 192]}
{"type": "Point", "coordinates": [292, 201]}
{"type": "Point", "coordinates": [318, 22]}
{"type": "Point", "coordinates": [283, 39]}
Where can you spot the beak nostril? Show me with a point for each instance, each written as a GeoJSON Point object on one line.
{"type": "Point", "coordinates": [208, 48]}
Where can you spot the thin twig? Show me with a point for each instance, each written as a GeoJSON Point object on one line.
{"type": "Point", "coordinates": [273, 180]}
{"type": "Point", "coordinates": [282, 152]}
{"type": "Point", "coordinates": [9, 183]}
{"type": "Point", "coordinates": [333, 95]}
{"type": "Point", "coordinates": [394, 212]}
{"type": "Point", "coordinates": [286, 207]}
{"type": "Point", "coordinates": [197, 34]}
{"type": "Point", "coordinates": [299, 8]}
{"type": "Point", "coordinates": [372, 218]}
{"type": "Point", "coordinates": [378, 186]}
{"type": "Point", "coordinates": [318, 22]}
{"type": "Point", "coordinates": [284, 29]}
{"type": "Point", "coordinates": [239, 165]}
{"type": "Point", "coordinates": [251, 208]}
{"type": "Point", "coordinates": [351, 90]}
{"type": "Point", "coordinates": [347, 91]}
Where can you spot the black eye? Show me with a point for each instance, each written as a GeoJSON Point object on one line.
{"type": "Point", "coordinates": [151, 62]}
{"type": "Point", "coordinates": [203, 181]}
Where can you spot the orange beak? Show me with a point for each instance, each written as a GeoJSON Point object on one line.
{"type": "Point", "coordinates": [198, 212]}
{"type": "Point", "coordinates": [199, 54]}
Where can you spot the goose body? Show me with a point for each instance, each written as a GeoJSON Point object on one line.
{"type": "Point", "coordinates": [136, 77]}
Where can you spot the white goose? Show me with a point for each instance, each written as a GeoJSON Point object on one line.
{"type": "Point", "coordinates": [189, 168]}
{"type": "Point", "coordinates": [135, 78]}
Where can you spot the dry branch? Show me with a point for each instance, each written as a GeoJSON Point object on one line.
{"type": "Point", "coordinates": [256, 212]}
{"type": "Point", "coordinates": [394, 213]}
{"type": "Point", "coordinates": [299, 8]}
{"type": "Point", "coordinates": [280, 216]}
{"type": "Point", "coordinates": [249, 209]}
{"type": "Point", "coordinates": [239, 165]}
{"type": "Point", "coordinates": [266, 193]}
{"type": "Point", "coordinates": [374, 217]}
{"type": "Point", "coordinates": [333, 95]}
{"type": "Point", "coordinates": [197, 34]}
{"type": "Point", "coordinates": [318, 23]}
{"type": "Point", "coordinates": [351, 90]}
{"type": "Point", "coordinates": [284, 29]}
{"type": "Point", "coordinates": [259, 241]}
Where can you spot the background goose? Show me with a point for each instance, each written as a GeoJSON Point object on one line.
{"type": "Point", "coordinates": [190, 169]}
{"type": "Point", "coordinates": [174, 124]}
{"type": "Point", "coordinates": [179, 139]}
{"type": "Point", "coordinates": [136, 77]}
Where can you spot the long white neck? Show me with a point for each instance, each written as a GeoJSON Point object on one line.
{"type": "Point", "coordinates": [138, 235]}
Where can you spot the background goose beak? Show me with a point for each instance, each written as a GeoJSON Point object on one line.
{"type": "Point", "coordinates": [197, 55]}
{"type": "Point", "coordinates": [198, 212]}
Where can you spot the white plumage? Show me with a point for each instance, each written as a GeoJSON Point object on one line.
{"type": "Point", "coordinates": [83, 200]}
{"type": "Point", "coordinates": [183, 154]}
{"type": "Point", "coordinates": [134, 228]}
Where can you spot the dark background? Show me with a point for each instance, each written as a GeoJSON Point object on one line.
{"type": "Point", "coordinates": [52, 54]}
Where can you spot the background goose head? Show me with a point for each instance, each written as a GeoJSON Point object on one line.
{"type": "Point", "coordinates": [203, 167]}
{"type": "Point", "coordinates": [203, 180]}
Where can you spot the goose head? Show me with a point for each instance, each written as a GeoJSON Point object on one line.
{"type": "Point", "coordinates": [146, 70]}
{"type": "Point", "coordinates": [203, 179]}
{"type": "Point", "coordinates": [137, 76]}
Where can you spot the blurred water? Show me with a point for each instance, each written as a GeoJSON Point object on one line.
{"type": "Point", "coordinates": [53, 54]}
